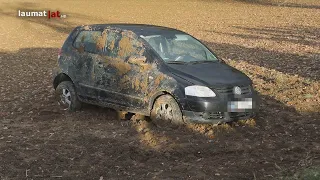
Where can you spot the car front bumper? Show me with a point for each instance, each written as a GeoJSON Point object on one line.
{"type": "Point", "coordinates": [215, 117]}
{"type": "Point", "coordinates": [217, 110]}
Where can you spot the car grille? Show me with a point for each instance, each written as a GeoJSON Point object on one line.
{"type": "Point", "coordinates": [216, 115]}
{"type": "Point", "coordinates": [233, 115]}
{"type": "Point", "coordinates": [229, 90]}
{"type": "Point", "coordinates": [239, 114]}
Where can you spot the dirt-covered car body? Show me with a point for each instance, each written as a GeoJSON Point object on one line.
{"type": "Point", "coordinates": [111, 65]}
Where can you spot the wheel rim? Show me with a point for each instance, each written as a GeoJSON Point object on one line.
{"type": "Point", "coordinates": [165, 112]}
{"type": "Point", "coordinates": [65, 98]}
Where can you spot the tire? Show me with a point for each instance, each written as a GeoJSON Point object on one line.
{"type": "Point", "coordinates": [67, 97]}
{"type": "Point", "coordinates": [166, 110]}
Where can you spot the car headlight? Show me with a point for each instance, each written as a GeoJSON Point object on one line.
{"type": "Point", "coordinates": [199, 91]}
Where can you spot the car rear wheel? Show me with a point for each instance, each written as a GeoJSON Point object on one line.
{"type": "Point", "coordinates": [166, 110]}
{"type": "Point", "coordinates": [67, 97]}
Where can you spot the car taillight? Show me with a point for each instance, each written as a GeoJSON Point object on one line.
{"type": "Point", "coordinates": [59, 53]}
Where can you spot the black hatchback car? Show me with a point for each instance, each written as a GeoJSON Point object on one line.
{"type": "Point", "coordinates": [151, 70]}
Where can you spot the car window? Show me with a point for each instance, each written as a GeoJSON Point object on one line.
{"type": "Point", "coordinates": [187, 47]}
{"type": "Point", "coordinates": [112, 44]}
{"type": "Point", "coordinates": [128, 46]}
{"type": "Point", "coordinates": [179, 47]}
{"type": "Point", "coordinates": [88, 41]}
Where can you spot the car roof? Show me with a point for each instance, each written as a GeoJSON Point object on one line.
{"type": "Point", "coordinates": [139, 29]}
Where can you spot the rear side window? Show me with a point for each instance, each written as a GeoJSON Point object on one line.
{"type": "Point", "coordinates": [111, 46]}
{"type": "Point", "coordinates": [88, 41]}
{"type": "Point", "coordinates": [110, 43]}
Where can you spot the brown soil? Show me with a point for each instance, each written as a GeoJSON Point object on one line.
{"type": "Point", "coordinates": [275, 43]}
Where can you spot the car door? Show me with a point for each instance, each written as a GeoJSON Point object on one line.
{"type": "Point", "coordinates": [134, 84]}
{"type": "Point", "coordinates": [122, 75]}
{"type": "Point", "coordinates": [106, 68]}
{"type": "Point", "coordinates": [83, 65]}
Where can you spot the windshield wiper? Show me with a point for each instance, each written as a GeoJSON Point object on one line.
{"type": "Point", "coordinates": [204, 61]}
{"type": "Point", "coordinates": [176, 62]}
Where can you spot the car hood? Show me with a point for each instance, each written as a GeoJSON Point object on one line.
{"type": "Point", "coordinates": [210, 74]}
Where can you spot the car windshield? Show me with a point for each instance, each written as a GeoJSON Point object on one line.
{"type": "Point", "coordinates": [179, 47]}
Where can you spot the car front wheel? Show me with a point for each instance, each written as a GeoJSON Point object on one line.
{"type": "Point", "coordinates": [166, 109]}
{"type": "Point", "coordinates": [66, 95]}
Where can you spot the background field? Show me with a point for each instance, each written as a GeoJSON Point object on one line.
{"type": "Point", "coordinates": [275, 42]}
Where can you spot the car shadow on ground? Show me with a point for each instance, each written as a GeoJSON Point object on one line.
{"type": "Point", "coordinates": [39, 140]}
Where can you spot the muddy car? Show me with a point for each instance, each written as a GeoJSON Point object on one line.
{"type": "Point", "coordinates": [154, 71]}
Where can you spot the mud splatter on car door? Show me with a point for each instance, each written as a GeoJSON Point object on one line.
{"type": "Point", "coordinates": [83, 62]}
{"type": "Point", "coordinates": [106, 67]}
{"type": "Point", "coordinates": [134, 84]}
{"type": "Point", "coordinates": [122, 75]}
